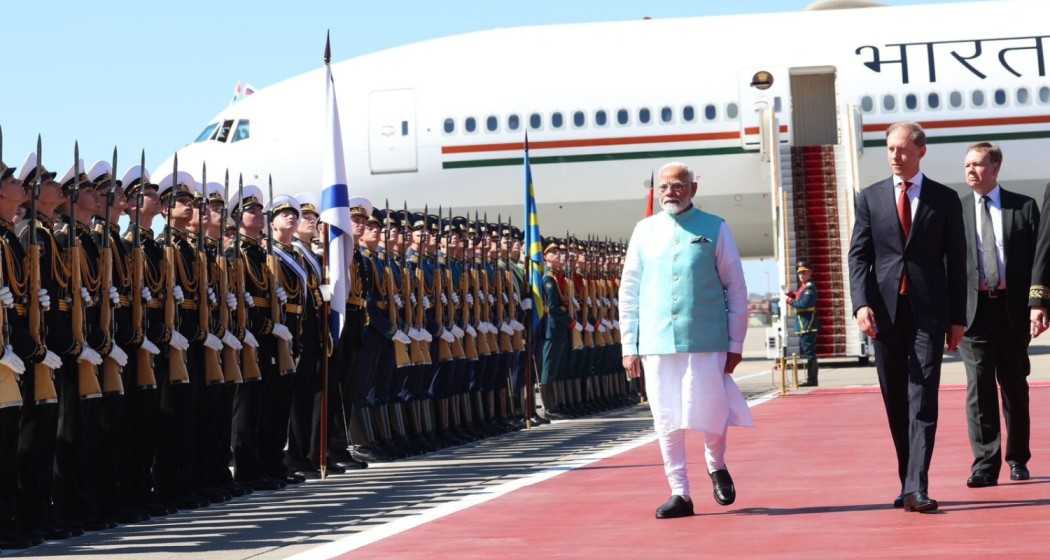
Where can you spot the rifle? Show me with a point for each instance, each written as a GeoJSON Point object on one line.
{"type": "Point", "coordinates": [470, 342]}
{"type": "Point", "coordinates": [418, 354]}
{"type": "Point", "coordinates": [177, 372]}
{"type": "Point", "coordinates": [421, 290]}
{"type": "Point", "coordinates": [145, 376]}
{"type": "Point", "coordinates": [212, 367]}
{"type": "Point", "coordinates": [449, 288]}
{"type": "Point", "coordinates": [250, 358]}
{"type": "Point", "coordinates": [518, 338]}
{"type": "Point", "coordinates": [231, 368]}
{"type": "Point", "coordinates": [501, 292]}
{"type": "Point", "coordinates": [486, 289]}
{"type": "Point", "coordinates": [10, 395]}
{"type": "Point", "coordinates": [87, 373]}
{"type": "Point", "coordinates": [401, 357]}
{"type": "Point", "coordinates": [577, 339]}
{"type": "Point", "coordinates": [444, 349]}
{"type": "Point", "coordinates": [112, 382]}
{"type": "Point", "coordinates": [475, 285]}
{"type": "Point", "coordinates": [43, 376]}
{"type": "Point", "coordinates": [285, 363]}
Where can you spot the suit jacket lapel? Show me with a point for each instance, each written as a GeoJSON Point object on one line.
{"type": "Point", "coordinates": [1006, 203]}
{"type": "Point", "coordinates": [970, 223]}
{"type": "Point", "coordinates": [888, 196]}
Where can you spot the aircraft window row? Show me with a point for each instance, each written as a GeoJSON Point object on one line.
{"type": "Point", "coordinates": [226, 131]}
{"type": "Point", "coordinates": [1000, 97]}
{"type": "Point", "coordinates": [579, 119]}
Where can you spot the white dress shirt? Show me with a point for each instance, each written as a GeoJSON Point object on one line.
{"type": "Point", "coordinates": [995, 208]}
{"type": "Point", "coordinates": [913, 191]}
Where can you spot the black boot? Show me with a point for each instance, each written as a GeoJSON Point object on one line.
{"type": "Point", "coordinates": [812, 371]}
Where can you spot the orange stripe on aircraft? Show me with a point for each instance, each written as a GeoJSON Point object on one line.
{"type": "Point", "coordinates": [752, 130]}
{"type": "Point", "coordinates": [962, 123]}
{"type": "Point", "coordinates": [516, 146]}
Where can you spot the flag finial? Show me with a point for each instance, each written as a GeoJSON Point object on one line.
{"type": "Point", "coordinates": [328, 47]}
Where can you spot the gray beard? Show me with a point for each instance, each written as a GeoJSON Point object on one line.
{"type": "Point", "coordinates": [674, 207]}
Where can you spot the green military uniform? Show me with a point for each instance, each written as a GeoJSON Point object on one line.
{"type": "Point", "coordinates": [807, 326]}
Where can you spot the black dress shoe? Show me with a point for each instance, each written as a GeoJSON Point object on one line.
{"type": "Point", "coordinates": [981, 480]}
{"type": "Point", "coordinates": [294, 478]}
{"type": "Point", "coordinates": [363, 453]}
{"type": "Point", "coordinates": [333, 468]}
{"type": "Point", "coordinates": [920, 502]}
{"type": "Point", "coordinates": [723, 489]}
{"type": "Point", "coordinates": [1019, 472]}
{"type": "Point", "coordinates": [676, 506]}
{"type": "Point", "coordinates": [352, 464]}
{"type": "Point", "coordinates": [898, 502]}
{"type": "Point", "coordinates": [308, 474]}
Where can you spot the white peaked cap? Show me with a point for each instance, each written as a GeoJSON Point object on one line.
{"type": "Point", "coordinates": [284, 202]}
{"type": "Point", "coordinates": [361, 202]}
{"type": "Point", "coordinates": [134, 174]}
{"type": "Point", "coordinates": [214, 190]}
{"type": "Point", "coordinates": [309, 201]}
{"type": "Point", "coordinates": [184, 179]}
{"type": "Point", "coordinates": [29, 166]}
{"type": "Point", "coordinates": [69, 176]}
{"type": "Point", "coordinates": [251, 193]}
{"type": "Point", "coordinates": [98, 170]}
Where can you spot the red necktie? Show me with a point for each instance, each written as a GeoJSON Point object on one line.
{"type": "Point", "coordinates": [904, 215]}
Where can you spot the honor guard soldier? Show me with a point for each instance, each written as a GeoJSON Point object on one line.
{"type": "Point", "coordinates": [417, 396]}
{"type": "Point", "coordinates": [50, 329]}
{"type": "Point", "coordinates": [460, 324]}
{"type": "Point", "coordinates": [182, 380]}
{"type": "Point", "coordinates": [556, 330]}
{"type": "Point", "coordinates": [114, 323]}
{"type": "Point", "coordinates": [139, 429]}
{"type": "Point", "coordinates": [76, 496]}
{"type": "Point", "coordinates": [804, 300]}
{"type": "Point", "coordinates": [288, 292]}
{"type": "Point", "coordinates": [16, 350]}
{"type": "Point", "coordinates": [253, 321]}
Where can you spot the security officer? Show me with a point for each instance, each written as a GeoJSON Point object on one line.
{"type": "Point", "coordinates": [804, 300]}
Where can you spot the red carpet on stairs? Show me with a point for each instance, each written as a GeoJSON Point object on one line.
{"type": "Point", "coordinates": [815, 479]}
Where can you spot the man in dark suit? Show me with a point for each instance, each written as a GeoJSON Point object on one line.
{"type": "Point", "coordinates": [1001, 231]}
{"type": "Point", "coordinates": [906, 262]}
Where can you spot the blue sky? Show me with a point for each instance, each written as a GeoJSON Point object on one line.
{"type": "Point", "coordinates": [149, 74]}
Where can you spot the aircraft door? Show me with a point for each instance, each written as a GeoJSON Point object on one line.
{"type": "Point", "coordinates": [392, 131]}
{"type": "Point", "coordinates": [761, 87]}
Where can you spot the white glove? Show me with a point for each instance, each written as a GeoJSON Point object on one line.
{"type": "Point", "coordinates": [213, 342]}
{"type": "Point", "coordinates": [12, 361]}
{"type": "Point", "coordinates": [492, 328]}
{"type": "Point", "coordinates": [426, 302]}
{"type": "Point", "coordinates": [231, 301]}
{"type": "Point", "coordinates": [526, 304]}
{"type": "Point", "coordinates": [470, 299]}
{"type": "Point", "coordinates": [249, 339]}
{"type": "Point", "coordinates": [6, 299]}
{"type": "Point", "coordinates": [85, 296]}
{"type": "Point", "coordinates": [412, 298]}
{"type": "Point", "coordinates": [415, 334]}
{"type": "Point", "coordinates": [444, 300]}
{"type": "Point", "coordinates": [579, 327]}
{"type": "Point", "coordinates": [45, 299]}
{"type": "Point", "coordinates": [589, 327]}
{"type": "Point", "coordinates": [178, 295]}
{"type": "Point", "coordinates": [282, 296]}
{"type": "Point", "coordinates": [615, 325]}
{"type": "Point", "coordinates": [518, 327]}
{"type": "Point", "coordinates": [605, 302]}
{"type": "Point", "coordinates": [492, 299]}
{"type": "Point", "coordinates": [212, 301]}
{"type": "Point", "coordinates": [589, 300]}
{"type": "Point", "coordinates": [447, 336]}
{"type": "Point", "coordinates": [326, 292]}
{"type": "Point", "coordinates": [426, 335]}
{"type": "Point", "coordinates": [602, 329]}
{"type": "Point", "coordinates": [249, 300]}
{"type": "Point", "coordinates": [118, 355]}
{"type": "Point", "coordinates": [397, 300]}
{"type": "Point", "coordinates": [505, 328]}
{"type": "Point", "coordinates": [505, 300]}
{"type": "Point", "coordinates": [229, 340]}
{"type": "Point", "coordinates": [114, 297]}
{"type": "Point", "coordinates": [147, 296]}
{"type": "Point", "coordinates": [52, 360]}
{"type": "Point", "coordinates": [457, 332]}
{"type": "Point", "coordinates": [471, 331]}
{"type": "Point", "coordinates": [606, 323]}
{"type": "Point", "coordinates": [576, 303]}
{"type": "Point", "coordinates": [149, 347]}
{"type": "Point", "coordinates": [401, 337]}
{"type": "Point", "coordinates": [455, 298]}
{"type": "Point", "coordinates": [282, 332]}
{"type": "Point", "coordinates": [178, 341]}
{"type": "Point", "coordinates": [90, 356]}
{"type": "Point", "coordinates": [616, 301]}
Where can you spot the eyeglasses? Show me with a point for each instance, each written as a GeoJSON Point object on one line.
{"type": "Point", "coordinates": [673, 187]}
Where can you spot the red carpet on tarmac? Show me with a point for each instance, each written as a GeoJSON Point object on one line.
{"type": "Point", "coordinates": [815, 479]}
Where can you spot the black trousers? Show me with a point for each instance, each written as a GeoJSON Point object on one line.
{"type": "Point", "coordinates": [247, 410]}
{"type": "Point", "coordinates": [111, 421]}
{"type": "Point", "coordinates": [36, 454]}
{"type": "Point", "coordinates": [993, 353]}
{"type": "Point", "coordinates": [909, 365]}
{"type": "Point", "coordinates": [138, 436]}
{"type": "Point", "coordinates": [277, 406]}
{"type": "Point", "coordinates": [76, 452]}
{"type": "Point", "coordinates": [175, 455]}
{"type": "Point", "coordinates": [9, 420]}
{"type": "Point", "coordinates": [304, 432]}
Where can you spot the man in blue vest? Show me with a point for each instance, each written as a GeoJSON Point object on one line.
{"type": "Point", "coordinates": [683, 315]}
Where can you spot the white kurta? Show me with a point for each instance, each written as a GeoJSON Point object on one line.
{"type": "Point", "coordinates": [692, 392]}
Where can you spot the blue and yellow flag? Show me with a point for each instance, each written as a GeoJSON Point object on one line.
{"type": "Point", "coordinates": [533, 243]}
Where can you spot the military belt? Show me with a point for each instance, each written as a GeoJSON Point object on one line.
{"type": "Point", "coordinates": [188, 304]}
{"type": "Point", "coordinates": [293, 308]}
{"type": "Point", "coordinates": [261, 302]}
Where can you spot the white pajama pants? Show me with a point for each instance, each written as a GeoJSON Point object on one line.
{"type": "Point", "coordinates": [690, 391]}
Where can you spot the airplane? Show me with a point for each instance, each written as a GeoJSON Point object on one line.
{"type": "Point", "coordinates": [765, 108]}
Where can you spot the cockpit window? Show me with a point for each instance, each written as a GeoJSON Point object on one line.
{"type": "Point", "coordinates": [224, 131]}
{"type": "Point", "coordinates": [242, 131]}
{"type": "Point", "coordinates": [207, 132]}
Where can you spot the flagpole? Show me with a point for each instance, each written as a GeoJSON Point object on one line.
{"type": "Point", "coordinates": [325, 315]}
{"type": "Point", "coordinates": [529, 405]}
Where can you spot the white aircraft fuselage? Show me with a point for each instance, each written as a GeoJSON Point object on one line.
{"type": "Point", "coordinates": [967, 72]}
